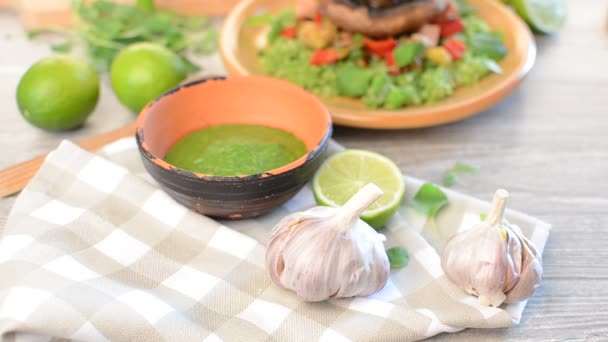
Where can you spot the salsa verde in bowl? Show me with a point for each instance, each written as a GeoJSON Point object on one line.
{"type": "Point", "coordinates": [224, 125]}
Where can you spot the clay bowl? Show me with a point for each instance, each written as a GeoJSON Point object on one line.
{"type": "Point", "coordinates": [233, 100]}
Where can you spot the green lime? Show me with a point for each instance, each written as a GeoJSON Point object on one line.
{"type": "Point", "coordinates": [346, 172]}
{"type": "Point", "coordinates": [544, 16]}
{"type": "Point", "coordinates": [143, 71]}
{"type": "Point", "coordinates": [58, 93]}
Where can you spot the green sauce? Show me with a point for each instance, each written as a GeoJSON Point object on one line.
{"type": "Point", "coordinates": [235, 150]}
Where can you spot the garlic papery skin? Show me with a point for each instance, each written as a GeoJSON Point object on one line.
{"type": "Point", "coordinates": [325, 252]}
{"type": "Point", "coordinates": [493, 260]}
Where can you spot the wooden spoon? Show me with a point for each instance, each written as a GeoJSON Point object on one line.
{"type": "Point", "coordinates": [15, 178]}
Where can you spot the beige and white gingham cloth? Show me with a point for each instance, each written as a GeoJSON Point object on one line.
{"type": "Point", "coordinates": [93, 250]}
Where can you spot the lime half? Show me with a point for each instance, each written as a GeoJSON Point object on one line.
{"type": "Point", "coordinates": [545, 16]}
{"type": "Point", "coordinates": [346, 172]}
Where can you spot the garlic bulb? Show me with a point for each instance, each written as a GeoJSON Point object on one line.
{"type": "Point", "coordinates": [325, 252]}
{"type": "Point", "coordinates": [493, 260]}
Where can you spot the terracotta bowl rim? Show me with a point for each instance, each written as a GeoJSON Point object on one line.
{"type": "Point", "coordinates": [310, 155]}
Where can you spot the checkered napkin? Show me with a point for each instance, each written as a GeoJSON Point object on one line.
{"type": "Point", "coordinates": [93, 250]}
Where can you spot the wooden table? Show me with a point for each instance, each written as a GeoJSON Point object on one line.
{"type": "Point", "coordinates": [547, 143]}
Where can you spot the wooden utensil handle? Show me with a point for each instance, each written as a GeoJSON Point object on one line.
{"type": "Point", "coordinates": [15, 178]}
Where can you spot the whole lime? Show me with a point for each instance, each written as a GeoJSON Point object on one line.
{"type": "Point", "coordinates": [143, 71]}
{"type": "Point", "coordinates": [58, 93]}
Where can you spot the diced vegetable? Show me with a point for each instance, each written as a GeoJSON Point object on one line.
{"type": "Point", "coordinates": [285, 19]}
{"type": "Point", "coordinates": [407, 53]}
{"type": "Point", "coordinates": [316, 36]}
{"type": "Point", "coordinates": [439, 55]}
{"type": "Point", "coordinates": [428, 35]}
{"type": "Point", "coordinates": [353, 81]}
{"type": "Point", "coordinates": [380, 47]}
{"type": "Point", "coordinates": [318, 18]}
{"type": "Point", "coordinates": [449, 28]}
{"type": "Point", "coordinates": [488, 44]}
{"type": "Point", "coordinates": [289, 32]}
{"type": "Point", "coordinates": [464, 8]}
{"type": "Point", "coordinates": [455, 47]}
{"type": "Point", "coordinates": [327, 56]}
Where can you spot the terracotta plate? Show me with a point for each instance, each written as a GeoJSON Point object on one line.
{"type": "Point", "coordinates": [239, 52]}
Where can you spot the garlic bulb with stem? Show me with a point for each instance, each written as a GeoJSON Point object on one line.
{"type": "Point", "coordinates": [325, 252]}
{"type": "Point", "coordinates": [493, 260]}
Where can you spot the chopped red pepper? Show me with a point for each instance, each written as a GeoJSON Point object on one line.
{"type": "Point", "coordinates": [318, 18]}
{"type": "Point", "coordinates": [380, 47]}
{"type": "Point", "coordinates": [289, 32]}
{"type": "Point", "coordinates": [449, 28]}
{"type": "Point", "coordinates": [326, 56]}
{"type": "Point", "coordinates": [389, 59]}
{"type": "Point", "coordinates": [455, 47]}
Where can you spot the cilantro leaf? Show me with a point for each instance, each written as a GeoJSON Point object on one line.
{"type": "Point", "coordinates": [451, 175]}
{"type": "Point", "coordinates": [483, 216]}
{"type": "Point", "coordinates": [398, 257]}
{"type": "Point", "coordinates": [106, 27]}
{"type": "Point", "coordinates": [429, 200]}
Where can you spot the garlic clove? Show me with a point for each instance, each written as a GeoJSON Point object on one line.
{"type": "Point", "coordinates": [327, 252]}
{"type": "Point", "coordinates": [493, 260]}
{"type": "Point", "coordinates": [531, 273]}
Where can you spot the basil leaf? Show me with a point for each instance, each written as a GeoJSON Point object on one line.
{"type": "Point", "coordinates": [407, 53]}
{"type": "Point", "coordinates": [398, 257]}
{"type": "Point", "coordinates": [429, 200]}
{"type": "Point", "coordinates": [489, 45]}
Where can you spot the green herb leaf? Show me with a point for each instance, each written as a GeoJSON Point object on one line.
{"type": "Point", "coordinates": [430, 199]}
{"type": "Point", "coordinates": [451, 175]}
{"type": "Point", "coordinates": [483, 217]}
{"type": "Point", "coordinates": [449, 179]}
{"type": "Point", "coordinates": [398, 257]}
{"type": "Point", "coordinates": [62, 47]}
{"type": "Point", "coordinates": [259, 20]}
{"type": "Point", "coordinates": [32, 34]}
{"type": "Point", "coordinates": [489, 45]}
{"type": "Point", "coordinates": [407, 53]}
{"type": "Point", "coordinates": [106, 27]}
{"type": "Point", "coordinates": [460, 167]}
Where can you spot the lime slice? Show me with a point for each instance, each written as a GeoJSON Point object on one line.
{"type": "Point", "coordinates": [544, 16]}
{"type": "Point", "coordinates": [346, 172]}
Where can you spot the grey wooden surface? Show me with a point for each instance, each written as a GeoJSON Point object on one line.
{"type": "Point", "coordinates": [547, 143]}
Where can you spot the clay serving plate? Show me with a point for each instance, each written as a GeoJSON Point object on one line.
{"type": "Point", "coordinates": [233, 100]}
{"type": "Point", "coordinates": [240, 55]}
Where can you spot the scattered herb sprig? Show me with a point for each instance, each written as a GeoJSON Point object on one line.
{"type": "Point", "coordinates": [450, 178]}
{"type": "Point", "coordinates": [398, 257]}
{"type": "Point", "coordinates": [429, 200]}
{"type": "Point", "coordinates": [105, 28]}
